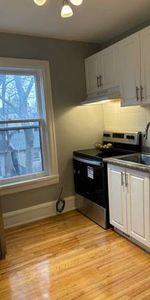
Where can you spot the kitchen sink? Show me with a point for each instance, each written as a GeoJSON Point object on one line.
{"type": "Point", "coordinates": [140, 158]}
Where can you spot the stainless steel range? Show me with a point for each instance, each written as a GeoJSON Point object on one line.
{"type": "Point", "coordinates": [90, 174]}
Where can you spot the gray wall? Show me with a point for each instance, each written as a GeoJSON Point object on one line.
{"type": "Point", "coordinates": [76, 126]}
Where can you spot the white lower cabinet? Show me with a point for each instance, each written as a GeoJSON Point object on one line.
{"type": "Point", "coordinates": [117, 198]}
{"type": "Point", "coordinates": [138, 201]}
{"type": "Point", "coordinates": [129, 202]}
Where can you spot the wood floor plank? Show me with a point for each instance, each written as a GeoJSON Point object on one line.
{"type": "Point", "coordinates": [68, 257]}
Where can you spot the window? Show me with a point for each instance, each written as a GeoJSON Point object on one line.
{"type": "Point", "coordinates": [27, 135]}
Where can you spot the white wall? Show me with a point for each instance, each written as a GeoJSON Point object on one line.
{"type": "Point", "coordinates": [79, 127]}
{"type": "Point", "coordinates": [75, 126]}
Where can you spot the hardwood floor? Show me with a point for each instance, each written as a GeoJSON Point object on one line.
{"type": "Point", "coordinates": [69, 257]}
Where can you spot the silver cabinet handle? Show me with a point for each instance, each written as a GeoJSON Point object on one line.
{"type": "Point", "coordinates": [101, 82]}
{"type": "Point", "coordinates": [126, 179]}
{"type": "Point", "coordinates": [122, 179]}
{"type": "Point", "coordinates": [141, 92]}
{"type": "Point", "coordinates": [137, 93]}
{"type": "Point", "coordinates": [97, 77]}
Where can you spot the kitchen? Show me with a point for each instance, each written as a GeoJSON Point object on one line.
{"type": "Point", "coordinates": [105, 116]}
{"type": "Point", "coordinates": [121, 68]}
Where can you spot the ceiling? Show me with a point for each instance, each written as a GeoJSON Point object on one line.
{"type": "Point", "coordinates": [93, 21]}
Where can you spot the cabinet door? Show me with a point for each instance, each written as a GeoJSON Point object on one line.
{"type": "Point", "coordinates": [117, 197]}
{"type": "Point", "coordinates": [145, 65]}
{"type": "Point", "coordinates": [129, 70]}
{"type": "Point", "coordinates": [92, 70]}
{"type": "Point", "coordinates": [109, 58]}
{"type": "Point", "coordinates": [138, 206]}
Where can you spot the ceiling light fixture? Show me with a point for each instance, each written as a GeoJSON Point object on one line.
{"type": "Point", "coordinates": [66, 11]}
{"type": "Point", "coordinates": [40, 2]}
{"type": "Point", "coordinates": [76, 2]}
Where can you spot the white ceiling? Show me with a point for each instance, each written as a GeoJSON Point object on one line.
{"type": "Point", "coordinates": [93, 21]}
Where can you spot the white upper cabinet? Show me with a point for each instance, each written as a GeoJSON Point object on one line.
{"type": "Point", "coordinates": [109, 59]}
{"type": "Point", "coordinates": [123, 67]}
{"type": "Point", "coordinates": [145, 65]}
{"type": "Point", "coordinates": [92, 70]}
{"type": "Point", "coordinates": [134, 68]}
{"type": "Point", "coordinates": [129, 70]}
{"type": "Point", "coordinates": [102, 71]}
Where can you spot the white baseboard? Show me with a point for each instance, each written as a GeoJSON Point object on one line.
{"type": "Point", "coordinates": [37, 212]}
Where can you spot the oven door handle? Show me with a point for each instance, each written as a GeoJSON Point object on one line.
{"type": "Point", "coordinates": [89, 161]}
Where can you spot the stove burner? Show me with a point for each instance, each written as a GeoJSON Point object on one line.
{"type": "Point", "coordinates": [113, 152]}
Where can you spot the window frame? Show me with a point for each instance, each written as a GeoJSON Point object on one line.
{"type": "Point", "coordinates": [41, 71]}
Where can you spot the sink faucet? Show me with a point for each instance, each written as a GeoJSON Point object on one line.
{"type": "Point", "coordinates": [146, 130]}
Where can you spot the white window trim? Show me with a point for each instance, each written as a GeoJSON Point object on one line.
{"type": "Point", "coordinates": [41, 68]}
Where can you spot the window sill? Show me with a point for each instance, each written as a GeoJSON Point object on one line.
{"type": "Point", "coordinates": [28, 185]}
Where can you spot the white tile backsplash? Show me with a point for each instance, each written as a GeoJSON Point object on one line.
{"type": "Point", "coordinates": [118, 118]}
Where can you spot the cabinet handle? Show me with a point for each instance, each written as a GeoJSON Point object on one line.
{"type": "Point", "coordinates": [100, 79]}
{"type": "Point", "coordinates": [122, 180]}
{"type": "Point", "coordinates": [141, 92]}
{"type": "Point", "coordinates": [97, 77]}
{"type": "Point", "coordinates": [126, 179]}
{"type": "Point", "coordinates": [137, 93]}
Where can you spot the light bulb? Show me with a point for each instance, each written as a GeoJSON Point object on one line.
{"type": "Point", "coordinates": [76, 2]}
{"type": "Point", "coordinates": [66, 11]}
{"type": "Point", "coordinates": [40, 2]}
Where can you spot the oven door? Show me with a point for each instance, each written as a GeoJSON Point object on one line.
{"type": "Point", "coordinates": [90, 180]}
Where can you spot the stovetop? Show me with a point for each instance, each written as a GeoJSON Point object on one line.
{"type": "Point", "coordinates": [122, 143]}
{"type": "Point", "coordinates": [99, 155]}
